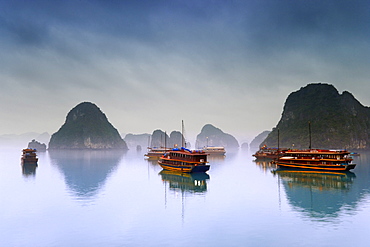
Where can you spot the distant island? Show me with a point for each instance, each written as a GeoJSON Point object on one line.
{"type": "Point", "coordinates": [40, 147]}
{"type": "Point", "coordinates": [135, 140]}
{"type": "Point", "coordinates": [22, 139]}
{"type": "Point", "coordinates": [162, 139]}
{"type": "Point", "coordinates": [337, 121]}
{"type": "Point", "coordinates": [209, 136]}
{"type": "Point", "coordinates": [255, 144]}
{"type": "Point", "coordinates": [87, 127]}
{"type": "Point", "coordinates": [212, 136]}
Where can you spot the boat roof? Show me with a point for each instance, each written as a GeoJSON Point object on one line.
{"type": "Point", "coordinates": [188, 151]}
{"type": "Point", "coordinates": [317, 151]}
{"type": "Point", "coordinates": [211, 148]}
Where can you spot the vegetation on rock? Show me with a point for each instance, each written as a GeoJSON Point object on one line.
{"type": "Point", "coordinates": [336, 120]}
{"type": "Point", "coordinates": [212, 136]}
{"type": "Point", "coordinates": [86, 127]}
{"type": "Point", "coordinates": [255, 143]}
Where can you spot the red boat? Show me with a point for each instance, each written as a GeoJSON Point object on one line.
{"type": "Point", "coordinates": [29, 156]}
{"type": "Point", "coordinates": [269, 153]}
{"type": "Point", "coordinates": [184, 160]}
{"type": "Point", "coordinates": [316, 159]}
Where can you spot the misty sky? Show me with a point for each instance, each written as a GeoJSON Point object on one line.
{"type": "Point", "coordinates": [150, 64]}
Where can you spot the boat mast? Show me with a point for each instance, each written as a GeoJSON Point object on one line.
{"type": "Point", "coordinates": [309, 132]}
{"type": "Point", "coordinates": [278, 142]}
{"type": "Point", "coordinates": [182, 134]}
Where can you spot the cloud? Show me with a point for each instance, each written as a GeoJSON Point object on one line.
{"type": "Point", "coordinates": [140, 54]}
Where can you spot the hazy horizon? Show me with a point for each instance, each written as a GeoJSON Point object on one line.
{"type": "Point", "coordinates": [151, 64]}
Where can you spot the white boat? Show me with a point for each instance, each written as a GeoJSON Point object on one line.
{"type": "Point", "coordinates": [156, 153]}
{"type": "Point", "coordinates": [214, 150]}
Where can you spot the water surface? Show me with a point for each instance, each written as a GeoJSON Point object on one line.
{"type": "Point", "coordinates": [101, 198]}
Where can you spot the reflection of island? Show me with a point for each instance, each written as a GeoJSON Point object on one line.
{"type": "Point", "coordinates": [186, 182]}
{"type": "Point", "coordinates": [85, 171]}
{"type": "Point", "coordinates": [318, 194]}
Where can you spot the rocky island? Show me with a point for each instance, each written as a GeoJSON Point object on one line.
{"type": "Point", "coordinates": [212, 136]}
{"type": "Point", "coordinates": [40, 147]}
{"type": "Point", "coordinates": [87, 127]}
{"type": "Point", "coordinates": [161, 139]}
{"type": "Point", "coordinates": [135, 140]}
{"type": "Point", "coordinates": [337, 121]}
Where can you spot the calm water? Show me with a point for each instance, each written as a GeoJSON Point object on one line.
{"type": "Point", "coordinates": [121, 199]}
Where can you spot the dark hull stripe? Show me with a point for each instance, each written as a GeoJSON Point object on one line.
{"type": "Point", "coordinates": [318, 167]}
{"type": "Point", "coordinates": [186, 168]}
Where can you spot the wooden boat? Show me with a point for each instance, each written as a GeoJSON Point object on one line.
{"type": "Point", "coordinates": [316, 159]}
{"type": "Point", "coordinates": [184, 160]}
{"type": "Point", "coordinates": [29, 157]}
{"type": "Point", "coordinates": [156, 153]}
{"type": "Point", "coordinates": [214, 150]}
{"type": "Point", "coordinates": [269, 153]}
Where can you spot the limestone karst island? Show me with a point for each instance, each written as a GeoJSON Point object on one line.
{"type": "Point", "coordinates": [337, 121]}
{"type": "Point", "coordinates": [87, 127]}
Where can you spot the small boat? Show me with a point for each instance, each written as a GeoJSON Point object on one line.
{"type": "Point", "coordinates": [184, 160]}
{"type": "Point", "coordinates": [316, 159]}
{"type": "Point", "coordinates": [214, 150]}
{"type": "Point", "coordinates": [29, 157]}
{"type": "Point", "coordinates": [269, 153]}
{"type": "Point", "coordinates": [156, 153]}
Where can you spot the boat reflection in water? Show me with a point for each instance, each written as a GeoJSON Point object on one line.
{"type": "Point", "coordinates": [85, 171]}
{"type": "Point", "coordinates": [319, 195]}
{"type": "Point", "coordinates": [265, 165]}
{"type": "Point", "coordinates": [185, 182]}
{"type": "Point", "coordinates": [215, 158]}
{"type": "Point", "coordinates": [29, 170]}
{"type": "Point", "coordinates": [152, 162]}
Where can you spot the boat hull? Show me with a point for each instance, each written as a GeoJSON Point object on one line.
{"type": "Point", "coordinates": [153, 156]}
{"type": "Point", "coordinates": [265, 156]}
{"type": "Point", "coordinates": [184, 168]}
{"type": "Point", "coordinates": [29, 162]}
{"type": "Point", "coordinates": [318, 167]}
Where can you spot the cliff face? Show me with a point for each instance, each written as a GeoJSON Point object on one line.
{"type": "Point", "coordinates": [337, 120]}
{"type": "Point", "coordinates": [212, 136]}
{"type": "Point", "coordinates": [161, 139]}
{"type": "Point", "coordinates": [86, 127]}
{"type": "Point", "coordinates": [255, 144]}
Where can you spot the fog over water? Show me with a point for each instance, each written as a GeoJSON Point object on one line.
{"type": "Point", "coordinates": [106, 198]}
{"type": "Point", "coordinates": [150, 64]}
